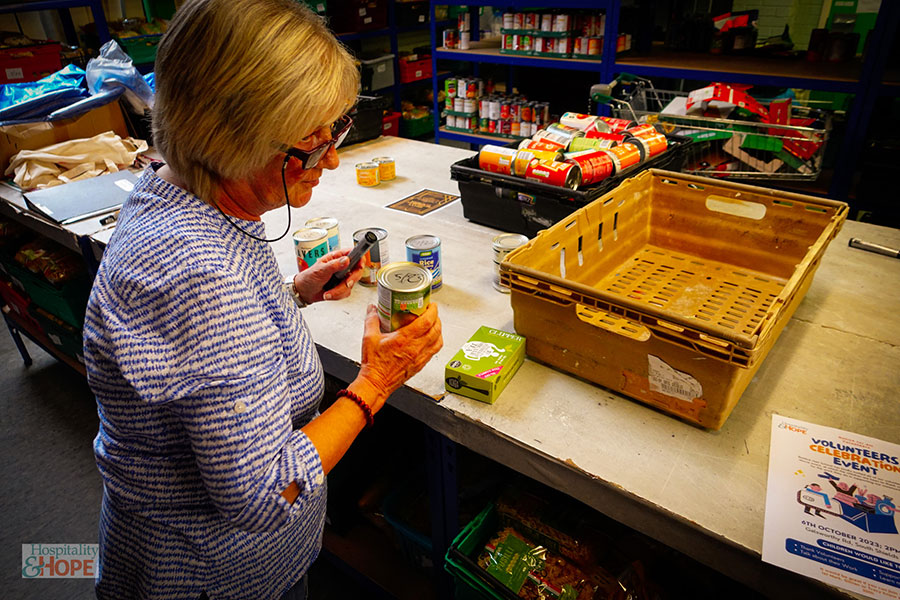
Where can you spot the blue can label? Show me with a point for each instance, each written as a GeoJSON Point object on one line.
{"type": "Point", "coordinates": [431, 260]}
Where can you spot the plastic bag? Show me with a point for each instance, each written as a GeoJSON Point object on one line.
{"type": "Point", "coordinates": [113, 68]}
{"type": "Point", "coordinates": [37, 98]}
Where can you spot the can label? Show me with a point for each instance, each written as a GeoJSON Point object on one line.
{"type": "Point", "coordinates": [450, 87]}
{"type": "Point", "coordinates": [617, 125]}
{"type": "Point", "coordinates": [404, 292]}
{"type": "Point", "coordinates": [542, 144]}
{"type": "Point", "coordinates": [387, 168]}
{"type": "Point", "coordinates": [654, 143]}
{"type": "Point", "coordinates": [524, 157]}
{"type": "Point", "coordinates": [579, 144]}
{"type": "Point", "coordinates": [556, 173]}
{"type": "Point", "coordinates": [593, 48]}
{"type": "Point", "coordinates": [310, 244]}
{"type": "Point", "coordinates": [577, 120]}
{"type": "Point", "coordinates": [425, 250]}
{"type": "Point", "coordinates": [624, 156]}
{"type": "Point", "coordinates": [496, 159]}
{"type": "Point", "coordinates": [641, 130]}
{"type": "Point", "coordinates": [367, 174]}
{"type": "Point", "coordinates": [595, 165]}
{"type": "Point", "coordinates": [375, 257]}
{"type": "Point", "coordinates": [329, 224]}
{"type": "Point", "coordinates": [502, 245]}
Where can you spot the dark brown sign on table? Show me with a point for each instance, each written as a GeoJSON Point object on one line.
{"type": "Point", "coordinates": [423, 202]}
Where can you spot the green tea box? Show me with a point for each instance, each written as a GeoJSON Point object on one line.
{"type": "Point", "coordinates": [485, 364]}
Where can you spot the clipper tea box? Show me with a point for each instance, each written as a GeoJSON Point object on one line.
{"type": "Point", "coordinates": [485, 364]}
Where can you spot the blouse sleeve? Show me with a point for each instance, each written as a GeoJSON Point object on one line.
{"type": "Point", "coordinates": [201, 345]}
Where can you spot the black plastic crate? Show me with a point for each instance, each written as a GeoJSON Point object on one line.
{"type": "Point", "coordinates": [514, 204]}
{"type": "Point", "coordinates": [412, 14]}
{"type": "Point", "coordinates": [367, 119]}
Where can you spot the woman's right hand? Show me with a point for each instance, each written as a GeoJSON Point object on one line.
{"type": "Point", "coordinates": [389, 359]}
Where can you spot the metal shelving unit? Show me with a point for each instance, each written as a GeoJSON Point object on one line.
{"type": "Point", "coordinates": [62, 7]}
{"type": "Point", "coordinates": [863, 79]}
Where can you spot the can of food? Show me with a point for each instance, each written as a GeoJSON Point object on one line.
{"type": "Point", "coordinates": [595, 165]}
{"type": "Point", "coordinates": [425, 250]}
{"type": "Point", "coordinates": [518, 20]}
{"type": "Point", "coordinates": [471, 88]}
{"type": "Point", "coordinates": [531, 21]}
{"type": "Point", "coordinates": [547, 22]}
{"type": "Point", "coordinates": [508, 20]}
{"type": "Point", "coordinates": [617, 125]}
{"type": "Point", "coordinates": [470, 105]}
{"type": "Point", "coordinates": [523, 158]}
{"type": "Point", "coordinates": [506, 41]}
{"type": "Point", "coordinates": [504, 108]}
{"type": "Point", "coordinates": [594, 44]}
{"type": "Point", "coordinates": [387, 168]}
{"type": "Point", "coordinates": [579, 144]}
{"type": "Point", "coordinates": [561, 174]}
{"type": "Point", "coordinates": [503, 244]}
{"type": "Point", "coordinates": [464, 38]}
{"type": "Point", "coordinates": [655, 143]}
{"type": "Point", "coordinates": [598, 128]}
{"type": "Point", "coordinates": [404, 292]}
{"type": "Point", "coordinates": [310, 244]}
{"type": "Point", "coordinates": [450, 38]}
{"type": "Point", "coordinates": [624, 156]}
{"type": "Point", "coordinates": [577, 120]}
{"type": "Point", "coordinates": [375, 257]}
{"type": "Point", "coordinates": [464, 21]}
{"type": "Point", "coordinates": [561, 22]}
{"type": "Point", "coordinates": [367, 174]}
{"type": "Point", "coordinates": [552, 135]}
{"type": "Point", "coordinates": [492, 126]}
{"type": "Point", "coordinates": [525, 43]}
{"type": "Point", "coordinates": [450, 87]}
{"type": "Point", "coordinates": [505, 126]}
{"type": "Point", "coordinates": [544, 145]}
{"type": "Point", "coordinates": [329, 224]}
{"type": "Point", "coordinates": [639, 130]}
{"type": "Point", "coordinates": [496, 159]}
{"type": "Point", "coordinates": [515, 128]}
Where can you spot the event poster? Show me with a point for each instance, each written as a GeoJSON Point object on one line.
{"type": "Point", "coordinates": [831, 507]}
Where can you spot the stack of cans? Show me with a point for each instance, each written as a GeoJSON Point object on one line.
{"type": "Point", "coordinates": [558, 34]}
{"type": "Point", "coordinates": [472, 105]}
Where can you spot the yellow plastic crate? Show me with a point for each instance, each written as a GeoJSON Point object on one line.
{"type": "Point", "coordinates": [671, 288]}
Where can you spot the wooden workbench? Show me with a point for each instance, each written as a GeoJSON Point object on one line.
{"type": "Point", "coordinates": [701, 492]}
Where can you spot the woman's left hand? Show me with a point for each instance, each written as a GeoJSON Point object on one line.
{"type": "Point", "coordinates": [309, 283]}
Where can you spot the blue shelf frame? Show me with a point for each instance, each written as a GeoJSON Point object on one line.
{"type": "Point", "coordinates": [62, 6]}
{"type": "Point", "coordinates": [866, 89]}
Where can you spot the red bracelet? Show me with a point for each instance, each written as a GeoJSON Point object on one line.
{"type": "Point", "coordinates": [367, 410]}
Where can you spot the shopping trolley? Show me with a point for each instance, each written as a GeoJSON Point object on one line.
{"type": "Point", "coordinates": [725, 147]}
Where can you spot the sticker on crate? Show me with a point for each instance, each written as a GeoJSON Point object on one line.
{"type": "Point", "coordinates": [671, 382]}
{"type": "Point", "coordinates": [423, 202]}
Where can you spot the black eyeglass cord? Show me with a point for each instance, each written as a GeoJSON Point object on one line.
{"type": "Point", "coordinates": [286, 201]}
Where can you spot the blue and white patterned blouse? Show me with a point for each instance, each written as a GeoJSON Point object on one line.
{"type": "Point", "coordinates": [204, 371]}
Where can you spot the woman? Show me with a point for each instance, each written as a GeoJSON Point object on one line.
{"type": "Point", "coordinates": [211, 447]}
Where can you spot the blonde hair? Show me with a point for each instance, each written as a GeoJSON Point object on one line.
{"type": "Point", "coordinates": [237, 78]}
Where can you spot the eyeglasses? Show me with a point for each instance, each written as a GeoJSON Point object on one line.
{"type": "Point", "coordinates": [310, 158]}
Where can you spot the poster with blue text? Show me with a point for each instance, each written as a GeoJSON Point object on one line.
{"type": "Point", "coordinates": [831, 507]}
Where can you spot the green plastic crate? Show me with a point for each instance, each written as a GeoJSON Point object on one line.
{"type": "Point", "coordinates": [141, 48]}
{"type": "Point", "coordinates": [66, 338]}
{"type": "Point", "coordinates": [416, 127]}
{"type": "Point", "coordinates": [460, 559]}
{"type": "Point", "coordinates": [68, 301]}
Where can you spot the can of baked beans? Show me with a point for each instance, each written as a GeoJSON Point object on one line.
{"type": "Point", "coordinates": [595, 165]}
{"type": "Point", "coordinates": [387, 168]}
{"type": "Point", "coordinates": [404, 292]}
{"type": "Point", "coordinates": [502, 245]}
{"type": "Point", "coordinates": [561, 174]}
{"type": "Point", "coordinates": [375, 257]}
{"type": "Point", "coordinates": [329, 224]}
{"type": "Point", "coordinates": [310, 244]}
{"type": "Point", "coordinates": [496, 159]}
{"type": "Point", "coordinates": [425, 250]}
{"type": "Point", "coordinates": [624, 156]}
{"type": "Point", "coordinates": [367, 174]}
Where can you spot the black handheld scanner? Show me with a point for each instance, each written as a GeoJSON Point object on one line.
{"type": "Point", "coordinates": [359, 250]}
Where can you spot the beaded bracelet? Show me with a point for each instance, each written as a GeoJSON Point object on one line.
{"type": "Point", "coordinates": [367, 410]}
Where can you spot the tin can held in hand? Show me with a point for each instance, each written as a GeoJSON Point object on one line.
{"type": "Point", "coordinates": [310, 244]}
{"type": "Point", "coordinates": [425, 250]}
{"type": "Point", "coordinates": [331, 225]}
{"type": "Point", "coordinates": [375, 257]}
{"type": "Point", "coordinates": [404, 292]}
{"type": "Point", "coordinates": [502, 245]}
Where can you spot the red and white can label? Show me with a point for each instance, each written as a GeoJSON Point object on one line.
{"type": "Point", "coordinates": [556, 173]}
{"type": "Point", "coordinates": [595, 165]}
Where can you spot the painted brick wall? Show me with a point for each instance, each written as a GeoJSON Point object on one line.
{"type": "Point", "coordinates": [801, 15]}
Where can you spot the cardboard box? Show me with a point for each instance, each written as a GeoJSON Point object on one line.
{"type": "Point", "coordinates": [485, 364]}
{"type": "Point", "coordinates": [32, 136]}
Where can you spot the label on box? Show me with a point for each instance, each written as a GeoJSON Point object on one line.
{"type": "Point", "coordinates": [368, 20]}
{"type": "Point", "coordinates": [666, 380]}
{"type": "Point", "coordinates": [381, 68]}
{"type": "Point", "coordinates": [362, 12]}
{"type": "Point", "coordinates": [419, 73]}
{"type": "Point", "coordinates": [485, 364]}
{"type": "Point", "coordinates": [16, 73]}
{"type": "Point", "coordinates": [421, 18]}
